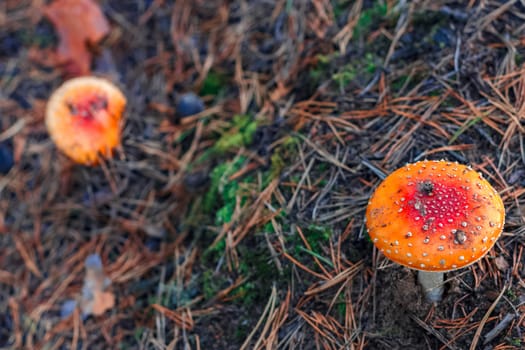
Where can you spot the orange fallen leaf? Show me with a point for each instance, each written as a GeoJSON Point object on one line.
{"type": "Point", "coordinates": [79, 23]}
{"type": "Point", "coordinates": [95, 299]}
{"type": "Point", "coordinates": [103, 301]}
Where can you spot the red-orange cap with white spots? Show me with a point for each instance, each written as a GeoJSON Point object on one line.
{"type": "Point", "coordinates": [84, 117]}
{"type": "Point", "coordinates": [435, 216]}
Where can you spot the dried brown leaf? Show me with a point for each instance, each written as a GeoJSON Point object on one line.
{"type": "Point", "coordinates": [102, 302]}
{"type": "Point", "coordinates": [79, 23]}
{"type": "Point", "coordinates": [95, 299]}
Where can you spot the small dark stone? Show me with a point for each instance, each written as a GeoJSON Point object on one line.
{"type": "Point", "coordinates": [196, 180]}
{"type": "Point", "coordinates": [189, 104]}
{"type": "Point", "coordinates": [6, 158]}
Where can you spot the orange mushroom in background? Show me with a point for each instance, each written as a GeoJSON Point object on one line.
{"type": "Point", "coordinates": [84, 117]}
{"type": "Point", "coordinates": [435, 216]}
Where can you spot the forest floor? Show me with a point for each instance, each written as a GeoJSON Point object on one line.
{"type": "Point", "coordinates": [242, 226]}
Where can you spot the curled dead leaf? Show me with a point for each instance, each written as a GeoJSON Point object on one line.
{"type": "Point", "coordinates": [95, 300]}
{"type": "Point", "coordinates": [78, 23]}
{"type": "Point", "coordinates": [102, 302]}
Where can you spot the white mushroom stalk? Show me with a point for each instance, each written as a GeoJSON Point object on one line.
{"type": "Point", "coordinates": [433, 285]}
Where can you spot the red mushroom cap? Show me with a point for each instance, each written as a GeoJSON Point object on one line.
{"type": "Point", "coordinates": [435, 216]}
{"type": "Point", "coordinates": [84, 117]}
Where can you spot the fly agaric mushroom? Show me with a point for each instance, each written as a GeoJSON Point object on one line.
{"type": "Point", "coordinates": [83, 117]}
{"type": "Point", "coordinates": [434, 216]}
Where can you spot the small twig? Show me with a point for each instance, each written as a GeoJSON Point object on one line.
{"type": "Point", "coordinates": [499, 328]}
{"type": "Point", "coordinates": [432, 331]}
{"type": "Point", "coordinates": [484, 320]}
{"type": "Point", "coordinates": [457, 54]}
{"type": "Point", "coordinates": [380, 174]}
{"type": "Point", "coordinates": [401, 26]}
{"type": "Point", "coordinates": [324, 153]}
{"type": "Point", "coordinates": [298, 188]}
{"type": "Point", "coordinates": [13, 129]}
{"type": "Point", "coordinates": [268, 310]}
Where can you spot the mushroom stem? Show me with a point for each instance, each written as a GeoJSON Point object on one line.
{"type": "Point", "coordinates": [432, 284]}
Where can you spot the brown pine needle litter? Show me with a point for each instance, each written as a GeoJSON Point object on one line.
{"type": "Point", "coordinates": [232, 214]}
